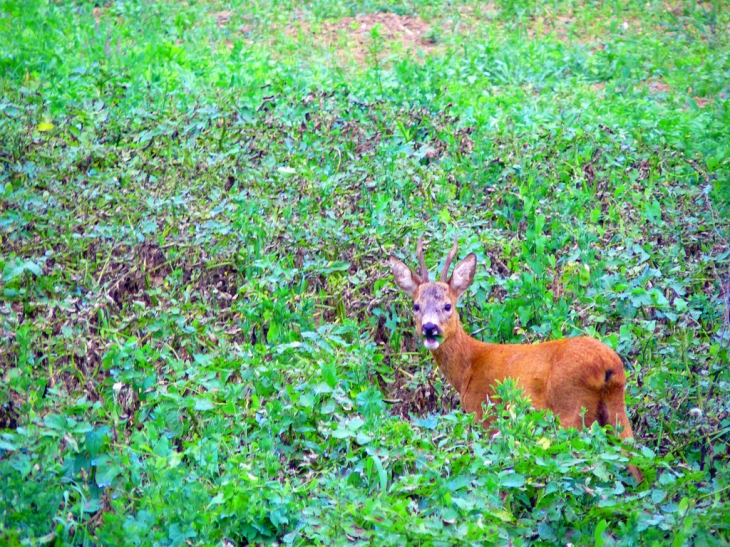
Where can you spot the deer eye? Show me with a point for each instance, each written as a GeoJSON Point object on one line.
{"type": "Point", "coordinates": [416, 307]}
{"type": "Point", "coordinates": [447, 307]}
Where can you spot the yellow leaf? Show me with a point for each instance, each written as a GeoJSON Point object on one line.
{"type": "Point", "coordinates": [504, 516]}
{"type": "Point", "coordinates": [544, 442]}
{"type": "Point", "coordinates": [44, 126]}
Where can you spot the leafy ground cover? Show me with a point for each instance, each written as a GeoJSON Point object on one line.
{"type": "Point", "coordinates": [199, 338]}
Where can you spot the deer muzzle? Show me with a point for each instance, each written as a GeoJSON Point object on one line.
{"type": "Point", "coordinates": [431, 336]}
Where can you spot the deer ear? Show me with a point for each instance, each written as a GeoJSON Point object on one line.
{"type": "Point", "coordinates": [463, 274]}
{"type": "Point", "coordinates": [404, 276]}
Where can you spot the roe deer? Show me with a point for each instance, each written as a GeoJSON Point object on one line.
{"type": "Point", "coordinates": [562, 375]}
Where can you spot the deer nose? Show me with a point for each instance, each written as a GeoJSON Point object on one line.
{"type": "Point", "coordinates": [430, 330]}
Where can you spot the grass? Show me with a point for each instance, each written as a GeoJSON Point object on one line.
{"type": "Point", "coordinates": [200, 340]}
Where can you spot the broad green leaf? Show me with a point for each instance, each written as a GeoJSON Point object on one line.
{"type": "Point", "coordinates": [106, 471]}
{"type": "Point", "coordinates": [512, 480]}
{"type": "Point", "coordinates": [382, 475]}
{"type": "Point", "coordinates": [598, 534]}
{"type": "Point", "coordinates": [203, 404]}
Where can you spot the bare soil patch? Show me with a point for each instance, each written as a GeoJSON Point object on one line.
{"type": "Point", "coordinates": [222, 17]}
{"type": "Point", "coordinates": [657, 86]}
{"type": "Point", "coordinates": [374, 34]}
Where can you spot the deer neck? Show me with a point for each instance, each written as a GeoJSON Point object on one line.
{"type": "Point", "coordinates": [455, 356]}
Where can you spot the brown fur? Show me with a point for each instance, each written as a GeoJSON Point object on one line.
{"type": "Point", "coordinates": [561, 375]}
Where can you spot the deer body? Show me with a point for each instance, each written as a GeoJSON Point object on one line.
{"type": "Point", "coordinates": [564, 376]}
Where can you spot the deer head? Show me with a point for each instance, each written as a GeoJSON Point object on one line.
{"type": "Point", "coordinates": [434, 302]}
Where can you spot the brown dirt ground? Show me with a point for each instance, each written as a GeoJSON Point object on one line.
{"type": "Point", "coordinates": [412, 33]}
{"type": "Point", "coordinates": [222, 17]}
{"type": "Point", "coordinates": [658, 86]}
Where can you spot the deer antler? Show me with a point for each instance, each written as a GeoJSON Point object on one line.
{"type": "Point", "coordinates": [419, 253]}
{"type": "Point", "coordinates": [449, 258]}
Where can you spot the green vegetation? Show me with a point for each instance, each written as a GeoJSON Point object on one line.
{"type": "Point", "coordinates": [200, 340]}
